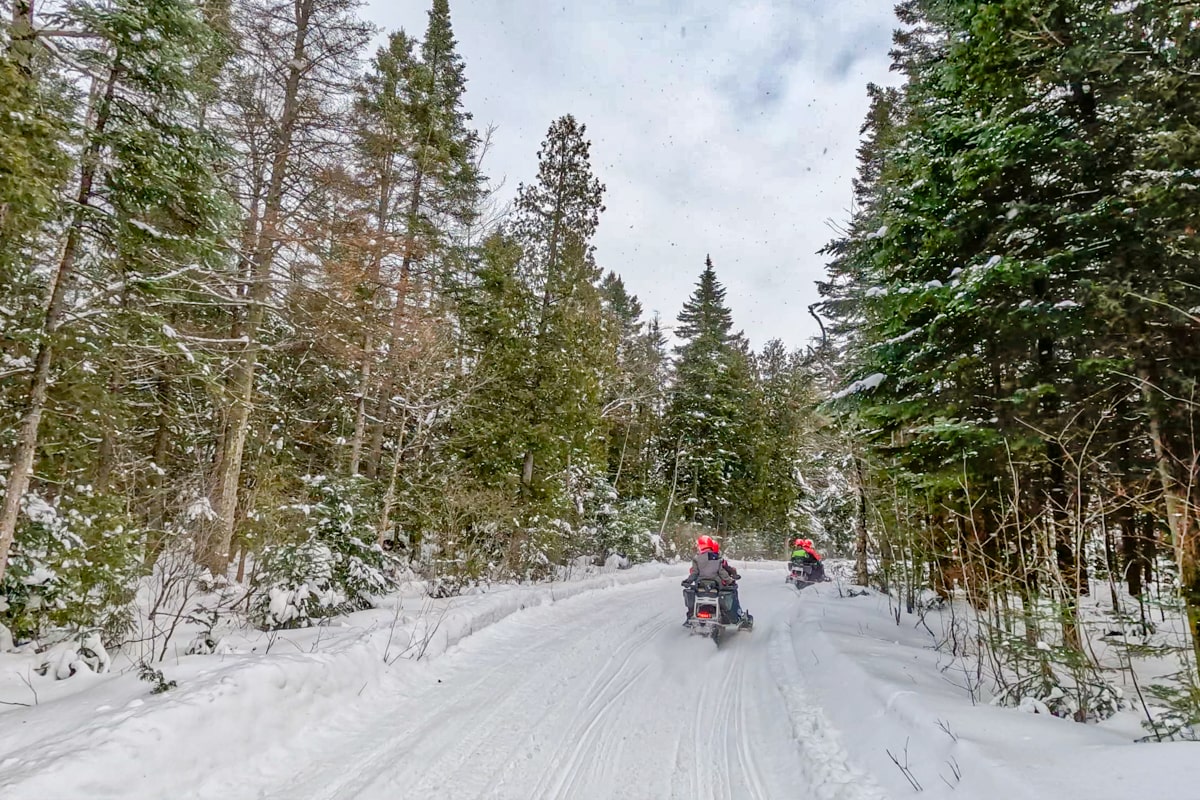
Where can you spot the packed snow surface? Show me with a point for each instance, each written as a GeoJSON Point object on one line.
{"type": "Point", "coordinates": [584, 690]}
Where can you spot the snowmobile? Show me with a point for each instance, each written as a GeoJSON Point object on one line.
{"type": "Point", "coordinates": [712, 614]}
{"type": "Point", "coordinates": [805, 574]}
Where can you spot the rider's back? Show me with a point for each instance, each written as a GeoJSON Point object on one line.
{"type": "Point", "coordinates": [710, 565]}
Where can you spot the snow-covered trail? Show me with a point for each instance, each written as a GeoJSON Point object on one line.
{"type": "Point", "coordinates": [603, 695]}
{"type": "Point", "coordinates": [585, 689]}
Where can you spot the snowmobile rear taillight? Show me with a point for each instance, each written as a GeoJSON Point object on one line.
{"type": "Point", "coordinates": [704, 614]}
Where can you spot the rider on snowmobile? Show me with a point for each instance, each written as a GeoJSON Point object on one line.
{"type": "Point", "coordinates": [708, 563]}
{"type": "Point", "coordinates": [806, 555]}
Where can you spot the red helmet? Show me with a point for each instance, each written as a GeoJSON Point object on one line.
{"type": "Point", "coordinates": [707, 544]}
{"type": "Point", "coordinates": [798, 543]}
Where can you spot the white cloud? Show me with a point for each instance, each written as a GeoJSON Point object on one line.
{"type": "Point", "coordinates": [724, 128]}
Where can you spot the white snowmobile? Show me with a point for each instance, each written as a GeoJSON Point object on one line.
{"type": "Point", "coordinates": [712, 613]}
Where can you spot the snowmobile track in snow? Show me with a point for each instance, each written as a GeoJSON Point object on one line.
{"type": "Point", "coordinates": [600, 695]}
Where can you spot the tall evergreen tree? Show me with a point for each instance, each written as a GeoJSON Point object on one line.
{"type": "Point", "coordinates": [631, 386]}
{"type": "Point", "coordinates": [144, 206]}
{"type": "Point", "coordinates": [440, 182]}
{"type": "Point", "coordinates": [292, 54]}
{"type": "Point", "coordinates": [554, 221]}
{"type": "Point", "coordinates": [783, 427]}
{"type": "Point", "coordinates": [1012, 259]}
{"type": "Point", "coordinates": [707, 411]}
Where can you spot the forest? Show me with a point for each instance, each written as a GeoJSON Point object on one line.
{"type": "Point", "coordinates": [1013, 309]}
{"type": "Point", "coordinates": [265, 320]}
{"type": "Point", "coordinates": [267, 327]}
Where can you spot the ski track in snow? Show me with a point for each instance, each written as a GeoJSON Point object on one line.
{"type": "Point", "coordinates": [602, 695]}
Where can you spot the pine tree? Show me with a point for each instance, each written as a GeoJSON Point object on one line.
{"type": "Point", "coordinates": [441, 184]}
{"type": "Point", "coordinates": [784, 427]}
{"type": "Point", "coordinates": [997, 292]}
{"type": "Point", "coordinates": [554, 221]}
{"type": "Point", "coordinates": [631, 386]}
{"type": "Point", "coordinates": [304, 56]}
{"type": "Point", "coordinates": [384, 146]}
{"type": "Point", "coordinates": [707, 410]}
{"type": "Point", "coordinates": [144, 207]}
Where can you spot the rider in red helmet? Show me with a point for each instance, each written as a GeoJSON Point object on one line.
{"type": "Point", "coordinates": [806, 555]}
{"type": "Point", "coordinates": [708, 563]}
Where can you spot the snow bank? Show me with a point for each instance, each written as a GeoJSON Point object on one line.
{"type": "Point", "coordinates": [891, 693]}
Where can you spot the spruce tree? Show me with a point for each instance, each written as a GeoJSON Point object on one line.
{"type": "Point", "coordinates": [441, 185]}
{"type": "Point", "coordinates": [1010, 291]}
{"type": "Point", "coordinates": [144, 210]}
{"type": "Point", "coordinates": [554, 221]}
{"type": "Point", "coordinates": [625, 391]}
{"type": "Point", "coordinates": [707, 410]}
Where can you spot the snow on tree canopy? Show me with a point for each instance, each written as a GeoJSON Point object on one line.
{"type": "Point", "coordinates": [865, 385]}
{"type": "Point", "coordinates": [903, 337]}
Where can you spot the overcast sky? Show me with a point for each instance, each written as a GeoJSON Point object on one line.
{"type": "Point", "coordinates": [718, 126]}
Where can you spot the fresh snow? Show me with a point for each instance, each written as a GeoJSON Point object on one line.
{"type": "Point", "coordinates": [581, 689]}
{"type": "Point", "coordinates": [865, 385]}
{"type": "Point", "coordinates": [904, 337]}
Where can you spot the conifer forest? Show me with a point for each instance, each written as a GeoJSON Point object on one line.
{"type": "Point", "coordinates": [272, 333]}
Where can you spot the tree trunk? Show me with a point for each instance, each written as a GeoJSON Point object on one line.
{"type": "Point", "coordinates": [383, 406]}
{"type": "Point", "coordinates": [27, 433]}
{"type": "Point", "coordinates": [1130, 557]}
{"type": "Point", "coordinates": [1185, 542]}
{"type": "Point", "coordinates": [1149, 547]}
{"type": "Point", "coordinates": [389, 497]}
{"type": "Point", "coordinates": [527, 469]}
{"type": "Point", "coordinates": [22, 37]}
{"type": "Point", "coordinates": [240, 389]}
{"type": "Point", "coordinates": [861, 574]}
{"type": "Point", "coordinates": [156, 506]}
{"type": "Point", "coordinates": [360, 406]}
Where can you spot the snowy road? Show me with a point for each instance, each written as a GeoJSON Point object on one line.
{"type": "Point", "coordinates": [593, 690]}
{"type": "Point", "coordinates": [599, 695]}
{"type": "Point", "coordinates": [603, 695]}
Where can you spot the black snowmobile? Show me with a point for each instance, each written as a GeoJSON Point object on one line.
{"type": "Point", "coordinates": [803, 574]}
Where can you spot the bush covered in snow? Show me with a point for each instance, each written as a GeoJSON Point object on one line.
{"type": "Point", "coordinates": [73, 567]}
{"type": "Point", "coordinates": [606, 524]}
{"type": "Point", "coordinates": [1177, 716]}
{"type": "Point", "coordinates": [633, 530]}
{"type": "Point", "coordinates": [335, 565]}
{"type": "Point", "coordinates": [79, 654]}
